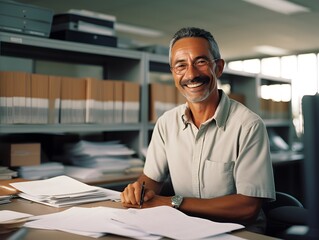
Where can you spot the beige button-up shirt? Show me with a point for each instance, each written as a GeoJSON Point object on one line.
{"type": "Point", "coordinates": [228, 154]}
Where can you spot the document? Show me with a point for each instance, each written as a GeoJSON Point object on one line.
{"type": "Point", "coordinates": [8, 215]}
{"type": "Point", "coordinates": [172, 223]}
{"type": "Point", "coordinates": [12, 220]}
{"type": "Point", "coordinates": [148, 224]}
{"type": "Point", "coordinates": [94, 222]}
{"type": "Point", "coordinates": [63, 191]}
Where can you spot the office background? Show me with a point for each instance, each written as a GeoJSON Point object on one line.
{"type": "Point", "coordinates": [244, 30]}
{"type": "Point", "coordinates": [277, 42]}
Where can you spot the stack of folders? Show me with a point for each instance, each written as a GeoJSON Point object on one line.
{"type": "Point", "coordinates": [6, 173]}
{"type": "Point", "coordinates": [107, 157]}
{"type": "Point", "coordinates": [42, 171]}
{"type": "Point", "coordinates": [62, 191]}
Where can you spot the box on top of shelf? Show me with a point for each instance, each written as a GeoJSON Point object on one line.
{"type": "Point", "coordinates": [85, 26]}
{"type": "Point", "coordinates": [25, 18]}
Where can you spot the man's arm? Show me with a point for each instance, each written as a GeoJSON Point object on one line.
{"type": "Point", "coordinates": [235, 207]}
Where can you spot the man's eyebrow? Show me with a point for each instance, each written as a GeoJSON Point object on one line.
{"type": "Point", "coordinates": [195, 59]}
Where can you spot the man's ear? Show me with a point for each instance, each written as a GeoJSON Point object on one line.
{"type": "Point", "coordinates": [220, 63]}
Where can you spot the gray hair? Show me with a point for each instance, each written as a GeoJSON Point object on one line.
{"type": "Point", "coordinates": [195, 32]}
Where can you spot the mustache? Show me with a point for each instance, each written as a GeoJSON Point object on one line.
{"type": "Point", "coordinates": [200, 79]}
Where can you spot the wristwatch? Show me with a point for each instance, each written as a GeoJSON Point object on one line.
{"type": "Point", "coordinates": [176, 201]}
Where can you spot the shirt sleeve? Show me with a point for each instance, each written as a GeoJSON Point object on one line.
{"type": "Point", "coordinates": [156, 166]}
{"type": "Point", "coordinates": [253, 168]}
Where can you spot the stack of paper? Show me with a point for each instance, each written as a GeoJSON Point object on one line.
{"type": "Point", "coordinates": [6, 173]}
{"type": "Point", "coordinates": [108, 157]}
{"type": "Point", "coordinates": [5, 199]}
{"type": "Point", "coordinates": [63, 191]}
{"type": "Point", "coordinates": [42, 171]}
{"type": "Point", "coordinates": [151, 223]}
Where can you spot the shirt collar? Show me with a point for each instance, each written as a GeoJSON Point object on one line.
{"type": "Point", "coordinates": [220, 115]}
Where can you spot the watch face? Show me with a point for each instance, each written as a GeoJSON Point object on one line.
{"type": "Point", "coordinates": [177, 201]}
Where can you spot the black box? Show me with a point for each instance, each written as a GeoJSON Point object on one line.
{"type": "Point", "coordinates": [76, 18]}
{"type": "Point", "coordinates": [84, 37]}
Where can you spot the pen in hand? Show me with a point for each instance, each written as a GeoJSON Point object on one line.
{"type": "Point", "coordinates": [142, 195]}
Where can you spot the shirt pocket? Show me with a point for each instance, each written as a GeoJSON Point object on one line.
{"type": "Point", "coordinates": [217, 179]}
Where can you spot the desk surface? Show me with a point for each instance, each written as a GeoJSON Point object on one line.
{"type": "Point", "coordinates": [25, 206]}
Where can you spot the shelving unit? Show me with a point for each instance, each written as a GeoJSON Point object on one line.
{"type": "Point", "coordinates": [119, 64]}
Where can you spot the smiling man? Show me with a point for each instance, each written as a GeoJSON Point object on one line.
{"type": "Point", "coordinates": [214, 149]}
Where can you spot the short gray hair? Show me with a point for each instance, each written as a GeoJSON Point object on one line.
{"type": "Point", "coordinates": [195, 32]}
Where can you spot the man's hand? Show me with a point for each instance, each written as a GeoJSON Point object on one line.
{"type": "Point", "coordinates": [131, 196]}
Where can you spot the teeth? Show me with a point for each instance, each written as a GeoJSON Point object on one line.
{"type": "Point", "coordinates": [194, 85]}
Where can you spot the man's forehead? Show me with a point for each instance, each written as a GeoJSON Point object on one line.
{"type": "Point", "coordinates": [190, 46]}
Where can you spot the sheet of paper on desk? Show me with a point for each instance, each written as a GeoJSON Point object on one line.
{"type": "Point", "coordinates": [169, 222]}
{"type": "Point", "coordinates": [100, 220]}
{"type": "Point", "coordinates": [89, 222]}
{"type": "Point", "coordinates": [8, 215]}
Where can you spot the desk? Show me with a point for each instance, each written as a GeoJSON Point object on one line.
{"type": "Point", "coordinates": [25, 206]}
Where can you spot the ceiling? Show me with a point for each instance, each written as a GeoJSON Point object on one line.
{"type": "Point", "coordinates": [238, 26]}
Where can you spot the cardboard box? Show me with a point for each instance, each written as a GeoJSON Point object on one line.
{"type": "Point", "coordinates": [20, 154]}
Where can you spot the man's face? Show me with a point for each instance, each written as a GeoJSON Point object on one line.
{"type": "Point", "coordinates": [199, 79]}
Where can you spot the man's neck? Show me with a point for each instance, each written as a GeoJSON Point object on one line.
{"type": "Point", "coordinates": [202, 111]}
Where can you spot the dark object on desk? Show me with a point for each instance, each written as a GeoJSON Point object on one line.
{"type": "Point", "coordinates": [310, 109]}
{"type": "Point", "coordinates": [283, 213]}
{"type": "Point", "coordinates": [83, 37]}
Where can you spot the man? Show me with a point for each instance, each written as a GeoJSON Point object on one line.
{"type": "Point", "coordinates": [214, 149]}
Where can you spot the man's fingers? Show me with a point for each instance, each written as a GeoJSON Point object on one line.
{"type": "Point", "coordinates": [131, 194]}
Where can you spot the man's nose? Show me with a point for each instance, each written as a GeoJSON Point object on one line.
{"type": "Point", "coordinates": [192, 72]}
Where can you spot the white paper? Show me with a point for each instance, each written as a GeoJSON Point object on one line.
{"type": "Point", "coordinates": [63, 191]}
{"type": "Point", "coordinates": [147, 224]}
{"type": "Point", "coordinates": [169, 222]}
{"type": "Point", "coordinates": [54, 186]}
{"type": "Point", "coordinates": [86, 221]}
{"type": "Point", "coordinates": [8, 215]}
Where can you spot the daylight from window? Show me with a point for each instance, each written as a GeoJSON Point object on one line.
{"type": "Point", "coordinates": [302, 70]}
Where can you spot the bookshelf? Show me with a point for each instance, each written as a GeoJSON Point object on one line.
{"type": "Point", "coordinates": [30, 53]}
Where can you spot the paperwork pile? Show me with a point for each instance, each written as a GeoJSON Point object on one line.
{"type": "Point", "coordinates": [63, 191]}
{"type": "Point", "coordinates": [6, 173]}
{"type": "Point", "coordinates": [42, 171]}
{"type": "Point", "coordinates": [107, 157]}
{"type": "Point", "coordinates": [150, 223]}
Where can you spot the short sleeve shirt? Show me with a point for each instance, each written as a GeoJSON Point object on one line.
{"type": "Point", "coordinates": [227, 154]}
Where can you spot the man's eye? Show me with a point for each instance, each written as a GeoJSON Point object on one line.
{"type": "Point", "coordinates": [180, 66]}
{"type": "Point", "coordinates": [201, 62]}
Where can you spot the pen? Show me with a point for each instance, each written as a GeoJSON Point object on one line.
{"type": "Point", "coordinates": [142, 195]}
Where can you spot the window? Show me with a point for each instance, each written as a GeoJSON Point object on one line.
{"type": "Point", "coordinates": [303, 70]}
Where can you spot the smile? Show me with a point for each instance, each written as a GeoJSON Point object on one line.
{"type": "Point", "coordinates": [195, 83]}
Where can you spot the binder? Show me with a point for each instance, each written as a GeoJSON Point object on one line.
{"type": "Point", "coordinates": [54, 99]}
{"type": "Point", "coordinates": [92, 90]}
{"type": "Point", "coordinates": [39, 98]}
{"type": "Point", "coordinates": [131, 102]}
{"type": "Point", "coordinates": [108, 101]}
{"type": "Point", "coordinates": [73, 98]}
{"type": "Point", "coordinates": [118, 101]}
{"type": "Point", "coordinates": [4, 118]}
{"type": "Point", "coordinates": [157, 101]}
{"type": "Point", "coordinates": [170, 97]}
